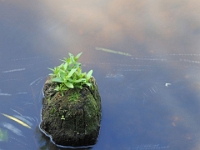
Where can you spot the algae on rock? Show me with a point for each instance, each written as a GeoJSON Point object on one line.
{"type": "Point", "coordinates": [73, 117]}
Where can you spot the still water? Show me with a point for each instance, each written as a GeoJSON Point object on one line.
{"type": "Point", "coordinates": [146, 60]}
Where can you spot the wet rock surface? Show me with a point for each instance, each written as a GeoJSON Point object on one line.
{"type": "Point", "coordinates": [72, 119]}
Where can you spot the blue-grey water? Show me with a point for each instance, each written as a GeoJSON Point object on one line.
{"type": "Point", "coordinates": [149, 83]}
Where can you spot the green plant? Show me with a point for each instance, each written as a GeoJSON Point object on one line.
{"type": "Point", "coordinates": [69, 74]}
{"type": "Point", "coordinates": [62, 118]}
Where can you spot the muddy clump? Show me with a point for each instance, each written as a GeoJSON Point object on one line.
{"type": "Point", "coordinates": [72, 118]}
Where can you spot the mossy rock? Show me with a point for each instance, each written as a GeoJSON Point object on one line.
{"type": "Point", "coordinates": [72, 119]}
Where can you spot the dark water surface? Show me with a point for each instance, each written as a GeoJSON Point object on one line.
{"type": "Point", "coordinates": [149, 85]}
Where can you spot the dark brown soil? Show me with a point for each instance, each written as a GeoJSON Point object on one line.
{"type": "Point", "coordinates": [74, 118]}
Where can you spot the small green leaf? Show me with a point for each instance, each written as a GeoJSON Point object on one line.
{"type": "Point", "coordinates": [77, 56]}
{"type": "Point", "coordinates": [71, 73]}
{"type": "Point", "coordinates": [71, 57]}
{"type": "Point", "coordinates": [62, 118]}
{"type": "Point", "coordinates": [57, 80]}
{"type": "Point", "coordinates": [62, 74]}
{"type": "Point", "coordinates": [57, 88]}
{"type": "Point", "coordinates": [79, 86]}
{"type": "Point", "coordinates": [88, 84]}
{"type": "Point", "coordinates": [51, 74]}
{"type": "Point", "coordinates": [51, 69]}
{"type": "Point", "coordinates": [64, 60]}
{"type": "Point", "coordinates": [79, 80]}
{"type": "Point", "coordinates": [68, 60]}
{"type": "Point", "coordinates": [83, 74]}
{"type": "Point", "coordinates": [65, 66]}
{"type": "Point", "coordinates": [69, 85]}
{"type": "Point", "coordinates": [89, 74]}
{"type": "Point", "coordinates": [62, 67]}
{"type": "Point", "coordinates": [79, 70]}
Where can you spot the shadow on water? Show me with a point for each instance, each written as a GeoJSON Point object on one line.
{"type": "Point", "coordinates": [146, 65]}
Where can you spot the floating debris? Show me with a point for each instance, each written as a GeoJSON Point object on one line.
{"type": "Point", "coordinates": [14, 70]}
{"type": "Point", "coordinates": [12, 128]}
{"type": "Point", "coordinates": [23, 118]}
{"type": "Point", "coordinates": [167, 84]}
{"type": "Point", "coordinates": [3, 135]}
{"type": "Point", "coordinates": [17, 120]}
{"type": "Point", "coordinates": [112, 51]}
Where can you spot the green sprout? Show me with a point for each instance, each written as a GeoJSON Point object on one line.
{"type": "Point", "coordinates": [62, 118]}
{"type": "Point", "coordinates": [69, 74]}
